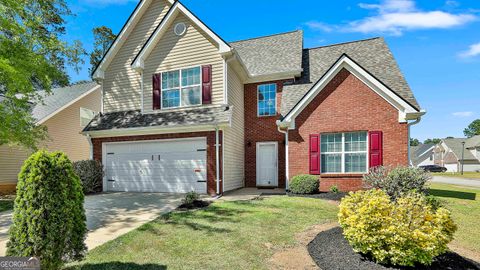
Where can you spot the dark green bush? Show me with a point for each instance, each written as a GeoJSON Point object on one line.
{"type": "Point", "coordinates": [48, 216]}
{"type": "Point", "coordinates": [304, 184]}
{"type": "Point", "coordinates": [190, 197]}
{"type": "Point", "coordinates": [91, 175]}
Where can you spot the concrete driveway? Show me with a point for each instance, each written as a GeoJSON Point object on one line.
{"type": "Point", "coordinates": [110, 215]}
{"type": "Point", "coordinates": [457, 181]}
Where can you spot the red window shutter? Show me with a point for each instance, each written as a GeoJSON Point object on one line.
{"type": "Point", "coordinates": [157, 93]}
{"type": "Point", "coordinates": [314, 157]}
{"type": "Point", "coordinates": [207, 84]}
{"type": "Point", "coordinates": [376, 148]}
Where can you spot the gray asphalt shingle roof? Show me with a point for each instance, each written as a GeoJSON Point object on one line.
{"type": "Point", "coordinates": [473, 142]}
{"type": "Point", "coordinates": [135, 119]}
{"type": "Point", "coordinates": [417, 151]}
{"type": "Point", "coordinates": [455, 144]}
{"type": "Point", "coordinates": [271, 54]}
{"type": "Point", "coordinates": [59, 97]}
{"type": "Point", "coordinates": [372, 54]}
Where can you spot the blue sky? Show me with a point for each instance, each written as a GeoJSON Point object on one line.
{"type": "Point", "coordinates": [436, 42]}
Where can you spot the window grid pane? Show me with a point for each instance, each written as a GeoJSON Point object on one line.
{"type": "Point", "coordinates": [186, 93]}
{"type": "Point", "coordinates": [267, 99]}
{"type": "Point", "coordinates": [171, 98]}
{"type": "Point", "coordinates": [355, 141]}
{"type": "Point", "coordinates": [355, 162]}
{"type": "Point", "coordinates": [353, 156]}
{"type": "Point", "coordinates": [191, 95]}
{"type": "Point", "coordinates": [331, 163]}
{"type": "Point", "coordinates": [331, 143]}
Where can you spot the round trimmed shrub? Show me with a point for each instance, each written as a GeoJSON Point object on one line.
{"type": "Point", "coordinates": [402, 232]}
{"type": "Point", "coordinates": [48, 216]}
{"type": "Point", "coordinates": [304, 184]}
{"type": "Point", "coordinates": [91, 175]}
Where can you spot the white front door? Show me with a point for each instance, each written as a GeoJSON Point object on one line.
{"type": "Point", "coordinates": [178, 165]}
{"type": "Point", "coordinates": [267, 161]}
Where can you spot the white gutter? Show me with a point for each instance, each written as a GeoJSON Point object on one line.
{"type": "Point", "coordinates": [217, 160]}
{"type": "Point", "coordinates": [141, 89]}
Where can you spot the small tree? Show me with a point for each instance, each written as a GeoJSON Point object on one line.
{"type": "Point", "coordinates": [48, 217]}
{"type": "Point", "coordinates": [414, 142]}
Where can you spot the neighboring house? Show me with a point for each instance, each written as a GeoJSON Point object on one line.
{"type": "Point", "coordinates": [185, 110]}
{"type": "Point", "coordinates": [422, 154]}
{"type": "Point", "coordinates": [448, 153]}
{"type": "Point", "coordinates": [64, 112]}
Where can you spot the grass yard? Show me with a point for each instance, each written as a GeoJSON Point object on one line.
{"type": "Point", "coordinates": [475, 175]}
{"type": "Point", "coordinates": [226, 235]}
{"type": "Point", "coordinates": [6, 204]}
{"type": "Point", "coordinates": [464, 202]}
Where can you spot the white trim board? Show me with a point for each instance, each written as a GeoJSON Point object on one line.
{"type": "Point", "coordinates": [406, 111]}
{"type": "Point", "coordinates": [138, 63]}
{"type": "Point", "coordinates": [43, 120]}
{"type": "Point", "coordinates": [122, 36]}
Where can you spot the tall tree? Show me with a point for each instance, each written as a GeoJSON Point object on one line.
{"type": "Point", "coordinates": [32, 57]}
{"type": "Point", "coordinates": [472, 129]}
{"type": "Point", "coordinates": [414, 142]}
{"type": "Point", "coordinates": [103, 38]}
{"type": "Point", "coordinates": [434, 141]}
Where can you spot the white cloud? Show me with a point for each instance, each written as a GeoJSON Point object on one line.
{"type": "Point", "coordinates": [473, 50]}
{"type": "Point", "coordinates": [319, 26]}
{"type": "Point", "coordinates": [396, 16]}
{"type": "Point", "coordinates": [462, 114]}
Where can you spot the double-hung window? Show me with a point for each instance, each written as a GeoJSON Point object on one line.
{"type": "Point", "coordinates": [344, 152]}
{"type": "Point", "coordinates": [267, 99]}
{"type": "Point", "coordinates": [181, 88]}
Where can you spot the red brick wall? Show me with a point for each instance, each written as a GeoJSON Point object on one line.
{"type": "Point", "coordinates": [346, 104]}
{"type": "Point", "coordinates": [261, 129]}
{"type": "Point", "coordinates": [210, 135]}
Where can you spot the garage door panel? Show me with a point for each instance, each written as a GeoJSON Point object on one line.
{"type": "Point", "coordinates": [157, 166]}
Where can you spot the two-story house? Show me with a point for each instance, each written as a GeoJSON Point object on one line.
{"type": "Point", "coordinates": [457, 154]}
{"type": "Point", "coordinates": [185, 110]}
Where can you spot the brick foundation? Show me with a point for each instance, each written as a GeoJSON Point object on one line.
{"type": "Point", "coordinates": [210, 135]}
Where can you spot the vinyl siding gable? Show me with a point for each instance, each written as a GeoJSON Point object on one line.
{"type": "Point", "coordinates": [121, 86]}
{"type": "Point", "coordinates": [174, 52]}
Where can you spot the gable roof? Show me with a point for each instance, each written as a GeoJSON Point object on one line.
{"type": "Point", "coordinates": [120, 38]}
{"type": "Point", "coordinates": [371, 54]}
{"type": "Point", "coordinates": [60, 98]}
{"type": "Point", "coordinates": [473, 142]}
{"type": "Point", "coordinates": [280, 53]}
{"type": "Point", "coordinates": [417, 153]}
{"type": "Point", "coordinates": [177, 8]}
{"type": "Point", "coordinates": [455, 144]}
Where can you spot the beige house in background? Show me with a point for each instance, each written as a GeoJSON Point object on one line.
{"type": "Point", "coordinates": [64, 112]}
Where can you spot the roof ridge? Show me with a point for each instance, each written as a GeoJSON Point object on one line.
{"type": "Point", "coordinates": [271, 35]}
{"type": "Point", "coordinates": [342, 43]}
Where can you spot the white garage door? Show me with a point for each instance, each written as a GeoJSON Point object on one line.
{"type": "Point", "coordinates": [157, 166]}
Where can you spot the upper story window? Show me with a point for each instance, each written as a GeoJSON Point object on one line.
{"type": "Point", "coordinates": [267, 99]}
{"type": "Point", "coordinates": [181, 88]}
{"type": "Point", "coordinates": [344, 152]}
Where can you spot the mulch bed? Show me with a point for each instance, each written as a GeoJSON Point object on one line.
{"type": "Point", "coordinates": [331, 251]}
{"type": "Point", "coordinates": [322, 195]}
{"type": "Point", "coordinates": [197, 204]}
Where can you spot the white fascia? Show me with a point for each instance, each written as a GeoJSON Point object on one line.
{"type": "Point", "coordinates": [405, 111]}
{"type": "Point", "coordinates": [125, 32]}
{"type": "Point", "coordinates": [177, 8]}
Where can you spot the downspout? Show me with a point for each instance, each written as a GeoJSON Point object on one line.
{"type": "Point", "coordinates": [141, 89]}
{"type": "Point", "coordinates": [89, 139]}
{"type": "Point", "coordinates": [286, 156]}
{"type": "Point", "coordinates": [410, 163]}
{"type": "Point", "coordinates": [217, 159]}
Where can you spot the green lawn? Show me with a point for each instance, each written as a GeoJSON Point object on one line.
{"type": "Point", "coordinates": [465, 174]}
{"type": "Point", "coordinates": [464, 202]}
{"type": "Point", "coordinates": [226, 235]}
{"type": "Point", "coordinates": [6, 205]}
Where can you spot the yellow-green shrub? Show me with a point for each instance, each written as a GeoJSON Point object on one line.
{"type": "Point", "coordinates": [402, 232]}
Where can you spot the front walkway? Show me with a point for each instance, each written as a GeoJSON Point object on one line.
{"type": "Point", "coordinates": [110, 215]}
{"type": "Point", "coordinates": [250, 193]}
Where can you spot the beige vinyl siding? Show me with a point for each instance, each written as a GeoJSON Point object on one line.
{"type": "Point", "coordinates": [234, 156]}
{"type": "Point", "coordinates": [64, 128]}
{"type": "Point", "coordinates": [11, 161]}
{"type": "Point", "coordinates": [121, 85]}
{"type": "Point", "coordinates": [172, 52]}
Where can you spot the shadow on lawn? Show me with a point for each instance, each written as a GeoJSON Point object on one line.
{"type": "Point", "coordinates": [117, 265]}
{"type": "Point", "coordinates": [453, 194]}
{"type": "Point", "coordinates": [198, 220]}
